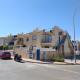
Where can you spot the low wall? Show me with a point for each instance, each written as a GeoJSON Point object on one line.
{"type": "Point", "coordinates": [25, 54]}
{"type": "Point", "coordinates": [21, 52]}
{"type": "Point", "coordinates": [48, 55]}
{"type": "Point", "coordinates": [44, 55]}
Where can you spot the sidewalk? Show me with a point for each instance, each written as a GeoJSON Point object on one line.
{"type": "Point", "coordinates": [71, 61]}
{"type": "Point", "coordinates": [42, 62]}
{"type": "Point", "coordinates": [33, 61]}
{"type": "Point", "coordinates": [66, 62]}
{"type": "Point", "coordinates": [36, 61]}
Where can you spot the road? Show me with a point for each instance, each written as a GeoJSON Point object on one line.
{"type": "Point", "coordinates": [11, 70]}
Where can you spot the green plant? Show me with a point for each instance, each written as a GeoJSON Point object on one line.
{"type": "Point", "coordinates": [5, 47]}
{"type": "Point", "coordinates": [1, 47]}
{"type": "Point", "coordinates": [58, 58]}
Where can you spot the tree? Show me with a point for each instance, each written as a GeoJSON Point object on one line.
{"type": "Point", "coordinates": [5, 47]}
{"type": "Point", "coordinates": [1, 47]}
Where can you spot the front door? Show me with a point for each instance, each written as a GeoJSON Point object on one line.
{"type": "Point", "coordinates": [38, 54]}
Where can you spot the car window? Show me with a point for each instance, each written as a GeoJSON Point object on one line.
{"type": "Point", "coordinates": [6, 52]}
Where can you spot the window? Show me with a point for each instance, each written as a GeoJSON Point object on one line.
{"type": "Point", "coordinates": [27, 39]}
{"type": "Point", "coordinates": [20, 41]}
{"type": "Point", "coordinates": [11, 43]}
{"type": "Point", "coordinates": [46, 38]}
{"type": "Point", "coordinates": [34, 37]}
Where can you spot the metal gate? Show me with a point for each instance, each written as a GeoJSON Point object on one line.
{"type": "Point", "coordinates": [38, 54]}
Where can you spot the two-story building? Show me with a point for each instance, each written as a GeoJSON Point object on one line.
{"type": "Point", "coordinates": [49, 43]}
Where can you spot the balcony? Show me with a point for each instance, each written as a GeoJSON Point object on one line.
{"type": "Point", "coordinates": [46, 39]}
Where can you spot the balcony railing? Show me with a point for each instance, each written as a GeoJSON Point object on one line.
{"type": "Point", "coordinates": [46, 41]}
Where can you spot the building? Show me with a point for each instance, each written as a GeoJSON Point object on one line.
{"type": "Point", "coordinates": [8, 40]}
{"type": "Point", "coordinates": [50, 43]}
{"type": "Point", "coordinates": [76, 45]}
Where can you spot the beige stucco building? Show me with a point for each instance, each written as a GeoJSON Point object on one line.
{"type": "Point", "coordinates": [52, 42]}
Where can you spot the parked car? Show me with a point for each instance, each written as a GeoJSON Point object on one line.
{"type": "Point", "coordinates": [5, 55]}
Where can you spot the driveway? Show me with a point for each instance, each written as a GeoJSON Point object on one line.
{"type": "Point", "coordinates": [11, 70]}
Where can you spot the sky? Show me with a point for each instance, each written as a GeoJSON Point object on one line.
{"type": "Point", "coordinates": [17, 16]}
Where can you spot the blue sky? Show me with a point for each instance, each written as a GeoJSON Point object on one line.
{"type": "Point", "coordinates": [17, 16]}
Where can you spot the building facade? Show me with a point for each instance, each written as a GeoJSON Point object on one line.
{"type": "Point", "coordinates": [9, 41]}
{"type": "Point", "coordinates": [52, 42]}
{"type": "Point", "coordinates": [76, 45]}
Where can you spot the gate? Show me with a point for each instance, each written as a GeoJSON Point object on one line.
{"type": "Point", "coordinates": [38, 54]}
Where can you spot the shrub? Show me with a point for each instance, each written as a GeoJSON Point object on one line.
{"type": "Point", "coordinates": [1, 47]}
{"type": "Point", "coordinates": [5, 47]}
{"type": "Point", "coordinates": [58, 58]}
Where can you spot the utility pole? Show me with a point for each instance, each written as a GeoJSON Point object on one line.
{"type": "Point", "coordinates": [74, 36]}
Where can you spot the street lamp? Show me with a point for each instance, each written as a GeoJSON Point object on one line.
{"type": "Point", "coordinates": [74, 36]}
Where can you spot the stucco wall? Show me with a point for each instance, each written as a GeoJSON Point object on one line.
{"type": "Point", "coordinates": [67, 48]}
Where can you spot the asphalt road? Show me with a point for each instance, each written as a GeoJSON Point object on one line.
{"type": "Point", "coordinates": [11, 70]}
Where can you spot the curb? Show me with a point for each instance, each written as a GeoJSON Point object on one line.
{"type": "Point", "coordinates": [41, 62]}
{"type": "Point", "coordinates": [35, 61]}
